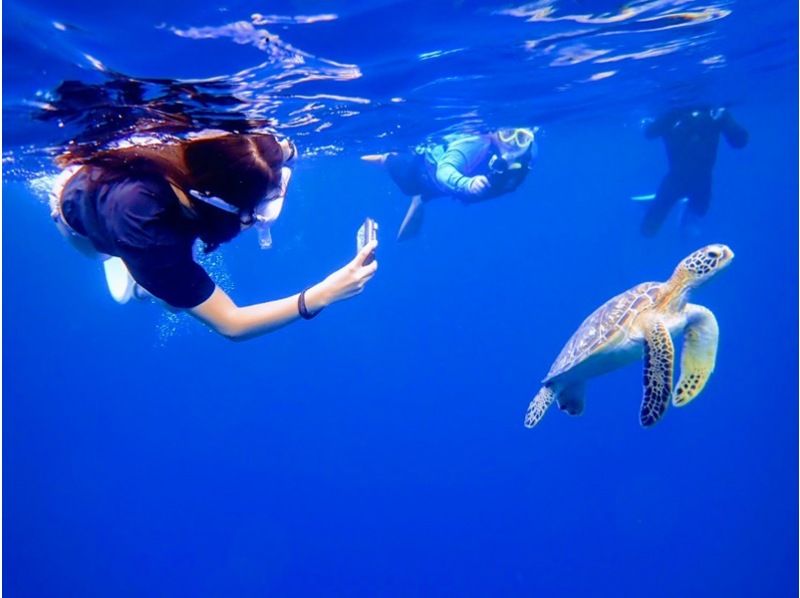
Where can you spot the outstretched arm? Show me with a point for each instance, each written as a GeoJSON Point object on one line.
{"type": "Point", "coordinates": [735, 134]}
{"type": "Point", "coordinates": [241, 323]}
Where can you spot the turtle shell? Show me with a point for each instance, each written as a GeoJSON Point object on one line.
{"type": "Point", "coordinates": [607, 325]}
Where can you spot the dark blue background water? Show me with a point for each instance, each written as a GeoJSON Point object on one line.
{"type": "Point", "coordinates": [379, 450]}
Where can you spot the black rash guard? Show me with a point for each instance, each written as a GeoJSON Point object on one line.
{"type": "Point", "coordinates": [140, 220]}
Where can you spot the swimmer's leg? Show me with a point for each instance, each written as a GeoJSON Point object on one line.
{"type": "Point", "coordinates": [82, 244]}
{"type": "Point", "coordinates": [696, 208]}
{"type": "Point", "coordinates": [408, 172]}
{"type": "Point", "coordinates": [121, 284]}
{"type": "Point", "coordinates": [412, 223]}
{"type": "Point", "coordinates": [119, 281]}
{"type": "Point", "coordinates": [669, 192]}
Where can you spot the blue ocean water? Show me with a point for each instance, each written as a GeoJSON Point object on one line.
{"type": "Point", "coordinates": [379, 450]}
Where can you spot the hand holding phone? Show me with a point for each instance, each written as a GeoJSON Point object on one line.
{"type": "Point", "coordinates": [367, 232]}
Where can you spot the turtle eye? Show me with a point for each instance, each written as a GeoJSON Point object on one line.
{"type": "Point", "coordinates": [713, 254]}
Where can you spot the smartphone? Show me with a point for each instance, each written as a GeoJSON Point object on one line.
{"type": "Point", "coordinates": [367, 232]}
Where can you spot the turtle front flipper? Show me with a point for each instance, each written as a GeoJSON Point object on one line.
{"type": "Point", "coordinates": [699, 354]}
{"type": "Point", "coordinates": [659, 357]}
{"type": "Point", "coordinates": [570, 398]}
{"type": "Point", "coordinates": [539, 405]}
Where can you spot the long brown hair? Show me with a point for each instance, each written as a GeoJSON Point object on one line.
{"type": "Point", "coordinates": [241, 169]}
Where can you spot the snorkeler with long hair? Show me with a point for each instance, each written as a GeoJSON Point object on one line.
{"type": "Point", "coordinates": [470, 168]}
{"type": "Point", "coordinates": [141, 209]}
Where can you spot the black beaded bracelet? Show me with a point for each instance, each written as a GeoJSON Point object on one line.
{"type": "Point", "coordinates": [302, 309]}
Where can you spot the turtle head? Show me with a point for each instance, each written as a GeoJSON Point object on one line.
{"type": "Point", "coordinates": [704, 263]}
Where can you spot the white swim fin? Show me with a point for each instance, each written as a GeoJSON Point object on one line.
{"type": "Point", "coordinates": [120, 282]}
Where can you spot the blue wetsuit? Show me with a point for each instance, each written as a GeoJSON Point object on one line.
{"type": "Point", "coordinates": [446, 169]}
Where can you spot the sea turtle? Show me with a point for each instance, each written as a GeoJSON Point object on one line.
{"type": "Point", "coordinates": [642, 321]}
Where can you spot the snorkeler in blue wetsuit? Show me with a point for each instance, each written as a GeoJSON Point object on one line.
{"type": "Point", "coordinates": [470, 168]}
{"type": "Point", "coordinates": [691, 137]}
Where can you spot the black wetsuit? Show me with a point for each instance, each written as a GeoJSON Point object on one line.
{"type": "Point", "coordinates": [691, 138]}
{"type": "Point", "coordinates": [140, 220]}
{"type": "Point", "coordinates": [409, 173]}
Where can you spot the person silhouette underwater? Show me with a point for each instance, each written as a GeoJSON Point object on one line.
{"type": "Point", "coordinates": [469, 168]}
{"type": "Point", "coordinates": [691, 138]}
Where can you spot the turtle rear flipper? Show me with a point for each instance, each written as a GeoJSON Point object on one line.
{"type": "Point", "coordinates": [570, 399]}
{"type": "Point", "coordinates": [659, 357]}
{"type": "Point", "coordinates": [699, 354]}
{"type": "Point", "coordinates": [539, 405]}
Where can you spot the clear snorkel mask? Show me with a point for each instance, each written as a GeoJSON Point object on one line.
{"type": "Point", "coordinates": [513, 144]}
{"type": "Point", "coordinates": [266, 212]}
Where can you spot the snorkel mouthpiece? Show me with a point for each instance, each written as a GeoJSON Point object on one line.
{"type": "Point", "coordinates": [264, 235]}
{"type": "Point", "coordinates": [268, 210]}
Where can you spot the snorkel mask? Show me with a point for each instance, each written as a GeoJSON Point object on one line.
{"type": "Point", "coordinates": [515, 142]}
{"type": "Point", "coordinates": [290, 159]}
{"type": "Point", "coordinates": [266, 211]}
